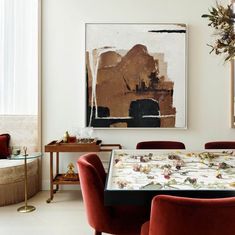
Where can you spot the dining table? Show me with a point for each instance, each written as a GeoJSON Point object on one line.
{"type": "Point", "coordinates": [135, 176]}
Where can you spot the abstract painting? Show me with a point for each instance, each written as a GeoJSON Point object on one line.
{"type": "Point", "coordinates": [136, 75]}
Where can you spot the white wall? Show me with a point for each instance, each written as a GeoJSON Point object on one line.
{"type": "Point", "coordinates": [64, 73]}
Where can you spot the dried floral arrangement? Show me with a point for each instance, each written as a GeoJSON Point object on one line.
{"type": "Point", "coordinates": [222, 19]}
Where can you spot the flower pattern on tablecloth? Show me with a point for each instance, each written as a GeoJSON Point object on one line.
{"type": "Point", "coordinates": [153, 170]}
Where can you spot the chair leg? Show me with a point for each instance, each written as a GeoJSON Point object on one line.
{"type": "Point", "coordinates": [98, 233]}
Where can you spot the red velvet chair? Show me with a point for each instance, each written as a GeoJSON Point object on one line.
{"type": "Point", "coordinates": [220, 145]}
{"type": "Point", "coordinates": [114, 220]}
{"type": "Point", "coordinates": [187, 216]}
{"type": "Point", "coordinates": [160, 145]}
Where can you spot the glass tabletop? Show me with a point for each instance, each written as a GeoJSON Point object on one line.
{"type": "Point", "coordinates": [28, 156]}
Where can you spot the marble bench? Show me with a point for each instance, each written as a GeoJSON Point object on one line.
{"type": "Point", "coordinates": [12, 180]}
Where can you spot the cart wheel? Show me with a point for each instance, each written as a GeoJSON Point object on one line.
{"type": "Point", "coordinates": [48, 200]}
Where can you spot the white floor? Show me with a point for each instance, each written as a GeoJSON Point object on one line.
{"type": "Point", "coordinates": [64, 215]}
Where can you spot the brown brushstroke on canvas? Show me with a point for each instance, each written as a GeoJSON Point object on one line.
{"type": "Point", "coordinates": [121, 78]}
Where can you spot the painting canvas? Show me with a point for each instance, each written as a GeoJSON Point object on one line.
{"type": "Point", "coordinates": [136, 75]}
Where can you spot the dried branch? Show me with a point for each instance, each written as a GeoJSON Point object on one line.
{"type": "Point", "coordinates": [222, 19]}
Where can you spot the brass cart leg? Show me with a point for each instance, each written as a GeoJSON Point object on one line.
{"type": "Point", "coordinates": [51, 179]}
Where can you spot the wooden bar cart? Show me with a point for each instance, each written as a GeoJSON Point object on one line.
{"type": "Point", "coordinates": [60, 147]}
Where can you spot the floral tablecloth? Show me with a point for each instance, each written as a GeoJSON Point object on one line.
{"type": "Point", "coordinates": [169, 170]}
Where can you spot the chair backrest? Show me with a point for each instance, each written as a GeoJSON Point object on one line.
{"type": "Point", "coordinates": [160, 145]}
{"type": "Point", "coordinates": [4, 146]}
{"type": "Point", "coordinates": [220, 145]}
{"type": "Point", "coordinates": [187, 216]}
{"type": "Point", "coordinates": [92, 180]}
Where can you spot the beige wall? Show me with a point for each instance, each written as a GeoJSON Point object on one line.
{"type": "Point", "coordinates": [64, 79]}
{"type": "Point", "coordinates": [23, 130]}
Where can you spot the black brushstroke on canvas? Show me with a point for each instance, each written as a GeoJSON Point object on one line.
{"type": "Point", "coordinates": [167, 31]}
{"type": "Point", "coordinates": [142, 113]}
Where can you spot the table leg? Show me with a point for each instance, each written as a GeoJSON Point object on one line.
{"type": "Point", "coordinates": [57, 169]}
{"type": "Point", "coordinates": [51, 179]}
{"type": "Point", "coordinates": [26, 208]}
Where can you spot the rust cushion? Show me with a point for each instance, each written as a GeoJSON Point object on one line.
{"type": "Point", "coordinates": [4, 146]}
